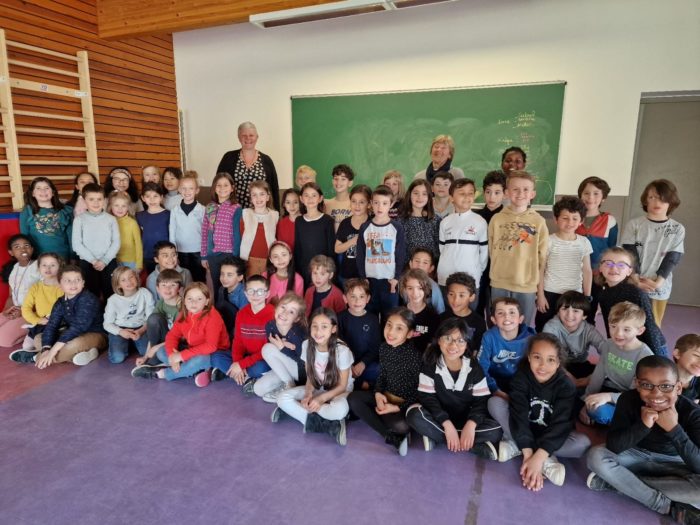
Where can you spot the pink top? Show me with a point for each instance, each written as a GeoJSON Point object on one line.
{"type": "Point", "coordinates": [278, 287]}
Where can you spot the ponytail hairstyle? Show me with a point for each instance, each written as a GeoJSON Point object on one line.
{"type": "Point", "coordinates": [332, 372]}
{"type": "Point", "coordinates": [76, 192]}
{"type": "Point", "coordinates": [56, 203]}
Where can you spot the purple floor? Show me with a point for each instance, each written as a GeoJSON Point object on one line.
{"type": "Point", "coordinates": [95, 446]}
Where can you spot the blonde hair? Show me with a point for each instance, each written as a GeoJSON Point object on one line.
{"type": "Point", "coordinates": [117, 274]}
{"type": "Point", "coordinates": [519, 174]}
{"type": "Point", "coordinates": [306, 169]}
{"type": "Point", "coordinates": [322, 261]}
{"type": "Point", "coordinates": [116, 195]}
{"type": "Point", "coordinates": [293, 298]}
{"type": "Point", "coordinates": [191, 175]}
{"type": "Point", "coordinates": [627, 311]}
{"type": "Point", "coordinates": [444, 139]}
{"type": "Point", "coordinates": [396, 174]}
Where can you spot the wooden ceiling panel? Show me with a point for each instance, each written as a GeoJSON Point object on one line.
{"type": "Point", "coordinates": [133, 18]}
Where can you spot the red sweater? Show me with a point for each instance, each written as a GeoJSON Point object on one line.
{"type": "Point", "coordinates": [204, 334]}
{"type": "Point", "coordinates": [334, 300]}
{"type": "Point", "coordinates": [285, 231]}
{"type": "Point", "coordinates": [249, 336]}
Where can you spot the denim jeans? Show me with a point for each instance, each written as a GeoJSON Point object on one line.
{"type": "Point", "coordinates": [652, 479]}
{"type": "Point", "coordinates": [222, 359]}
{"type": "Point", "coordinates": [119, 347]}
{"type": "Point", "coordinates": [187, 369]}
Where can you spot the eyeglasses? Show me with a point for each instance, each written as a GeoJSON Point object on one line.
{"type": "Point", "coordinates": [664, 387]}
{"type": "Point", "coordinates": [72, 281]}
{"type": "Point", "coordinates": [448, 340]}
{"type": "Point", "coordinates": [256, 292]}
{"type": "Point", "coordinates": [612, 264]}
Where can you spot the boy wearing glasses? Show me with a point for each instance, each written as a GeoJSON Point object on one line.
{"type": "Point", "coordinates": [615, 370]}
{"type": "Point", "coordinates": [652, 452]}
{"type": "Point", "coordinates": [245, 363]}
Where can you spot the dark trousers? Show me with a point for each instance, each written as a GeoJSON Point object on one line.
{"type": "Point", "coordinates": [382, 300]}
{"type": "Point", "coordinates": [422, 421]}
{"type": "Point", "coordinates": [99, 282]}
{"type": "Point", "coordinates": [228, 313]}
{"type": "Point", "coordinates": [596, 290]}
{"type": "Point", "coordinates": [363, 404]}
{"type": "Point", "coordinates": [156, 328]}
{"type": "Point", "coordinates": [541, 318]}
{"type": "Point", "coordinates": [215, 260]}
{"type": "Point", "coordinates": [193, 262]}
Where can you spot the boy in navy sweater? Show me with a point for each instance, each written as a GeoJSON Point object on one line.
{"type": "Point", "coordinates": [652, 452]}
{"type": "Point", "coordinates": [360, 330]}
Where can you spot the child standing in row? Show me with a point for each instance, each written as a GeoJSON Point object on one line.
{"type": "Point", "coordinates": [96, 241]}
{"type": "Point", "coordinates": [347, 234]}
{"type": "Point", "coordinates": [22, 276]}
{"type": "Point", "coordinates": [339, 206]}
{"type": "Point", "coordinates": [419, 221]}
{"type": "Point", "coordinates": [40, 299]}
{"type": "Point", "coordinates": [304, 175]}
{"type": "Point", "coordinates": [130, 244]}
{"type": "Point", "coordinates": [45, 220]}
{"type": "Point", "coordinates": [154, 222]}
{"type": "Point", "coordinates": [321, 405]}
{"type": "Point", "coordinates": [282, 351]}
{"type": "Point", "coordinates": [541, 402]}
{"type": "Point", "coordinates": [315, 227]}
{"type": "Point", "coordinates": [291, 205]}
{"type": "Point", "coordinates": [568, 262]}
{"type": "Point", "coordinates": [76, 201]}
{"type": "Point", "coordinates": [657, 241]}
{"type": "Point", "coordinates": [442, 203]}
{"type": "Point", "coordinates": [463, 236]}
{"type": "Point", "coordinates": [452, 393]}
{"type": "Point", "coordinates": [198, 332]}
{"type": "Point", "coordinates": [381, 253]}
{"type": "Point", "coordinates": [599, 227]}
{"type": "Point", "coordinates": [258, 226]}
{"type": "Point", "coordinates": [399, 365]}
{"type": "Point", "coordinates": [185, 227]}
{"type": "Point", "coordinates": [171, 184]}
{"type": "Point", "coordinates": [518, 245]}
{"type": "Point", "coordinates": [221, 228]}
{"type": "Point", "coordinates": [120, 179]}
{"type": "Point", "coordinates": [393, 179]}
{"type": "Point", "coordinates": [126, 315]}
{"type": "Point", "coordinates": [360, 330]}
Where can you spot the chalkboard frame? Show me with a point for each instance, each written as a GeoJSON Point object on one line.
{"type": "Point", "coordinates": [374, 132]}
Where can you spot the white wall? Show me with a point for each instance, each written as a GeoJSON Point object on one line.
{"type": "Point", "coordinates": [609, 52]}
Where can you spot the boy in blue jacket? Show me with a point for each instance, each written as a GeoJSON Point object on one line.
{"type": "Point", "coordinates": [74, 331]}
{"type": "Point", "coordinates": [503, 346]}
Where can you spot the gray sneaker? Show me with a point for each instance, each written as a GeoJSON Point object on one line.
{"type": "Point", "coordinates": [337, 430]}
{"type": "Point", "coordinates": [272, 395]}
{"type": "Point", "coordinates": [146, 372]}
{"type": "Point", "coordinates": [248, 387]}
{"type": "Point", "coordinates": [278, 415]}
{"type": "Point", "coordinates": [595, 482]}
{"type": "Point", "coordinates": [507, 450]}
{"type": "Point", "coordinates": [23, 356]}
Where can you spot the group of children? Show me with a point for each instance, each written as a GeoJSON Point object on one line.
{"type": "Point", "coordinates": [331, 311]}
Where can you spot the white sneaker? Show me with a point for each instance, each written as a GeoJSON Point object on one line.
{"type": "Point", "coordinates": [28, 344]}
{"type": "Point", "coordinates": [554, 471]}
{"type": "Point", "coordinates": [83, 358]}
{"type": "Point", "coordinates": [507, 450]}
{"type": "Point", "coordinates": [428, 444]}
{"type": "Point", "coordinates": [403, 447]}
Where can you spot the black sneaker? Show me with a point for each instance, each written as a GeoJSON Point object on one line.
{"type": "Point", "coordinates": [146, 371]}
{"type": "Point", "coordinates": [278, 415]}
{"type": "Point", "coordinates": [23, 356]}
{"type": "Point", "coordinates": [485, 450]}
{"type": "Point", "coordinates": [399, 441]}
{"type": "Point", "coordinates": [337, 430]}
{"type": "Point", "coordinates": [248, 387]}
{"type": "Point", "coordinates": [685, 513]}
{"type": "Point", "coordinates": [217, 375]}
{"type": "Point", "coordinates": [595, 482]}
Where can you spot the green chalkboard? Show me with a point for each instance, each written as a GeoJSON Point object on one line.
{"type": "Point", "coordinates": [374, 133]}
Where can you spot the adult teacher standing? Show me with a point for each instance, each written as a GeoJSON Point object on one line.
{"type": "Point", "coordinates": [442, 151]}
{"type": "Point", "coordinates": [248, 164]}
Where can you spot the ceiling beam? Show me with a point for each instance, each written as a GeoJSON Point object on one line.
{"type": "Point", "coordinates": [117, 19]}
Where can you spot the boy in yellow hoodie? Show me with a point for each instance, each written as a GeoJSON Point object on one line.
{"type": "Point", "coordinates": [518, 245]}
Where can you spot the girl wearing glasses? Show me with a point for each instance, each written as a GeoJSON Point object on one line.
{"type": "Point", "coordinates": [452, 393]}
{"type": "Point", "coordinates": [619, 283]}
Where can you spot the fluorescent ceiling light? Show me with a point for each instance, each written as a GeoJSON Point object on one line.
{"type": "Point", "coordinates": [333, 10]}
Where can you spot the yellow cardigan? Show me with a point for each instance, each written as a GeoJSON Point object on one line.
{"type": "Point", "coordinates": [39, 301]}
{"type": "Point", "coordinates": [131, 247]}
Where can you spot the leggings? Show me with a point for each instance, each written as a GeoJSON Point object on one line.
{"type": "Point", "coordinates": [335, 410]}
{"type": "Point", "coordinates": [422, 421]}
{"type": "Point", "coordinates": [363, 404]}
